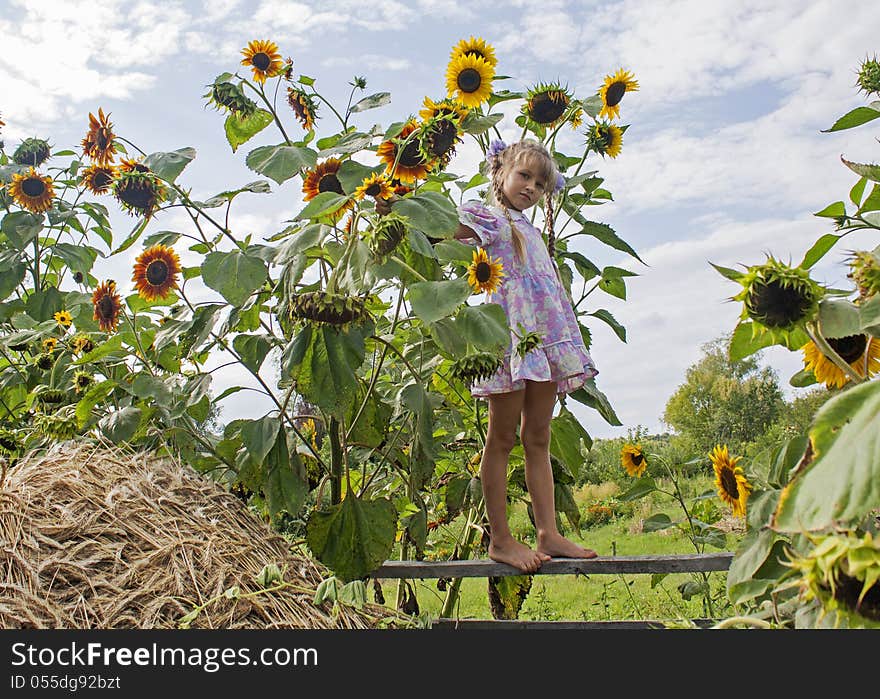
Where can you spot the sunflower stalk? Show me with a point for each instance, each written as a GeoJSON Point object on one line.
{"type": "Point", "coordinates": [816, 336]}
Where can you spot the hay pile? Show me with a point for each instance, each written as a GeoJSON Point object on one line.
{"type": "Point", "coordinates": [94, 537]}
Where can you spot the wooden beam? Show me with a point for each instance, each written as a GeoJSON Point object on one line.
{"type": "Point", "coordinates": [603, 565]}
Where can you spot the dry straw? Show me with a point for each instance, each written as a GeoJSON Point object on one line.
{"type": "Point", "coordinates": [95, 537]}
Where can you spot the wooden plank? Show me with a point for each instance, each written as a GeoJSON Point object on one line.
{"type": "Point", "coordinates": [521, 625]}
{"type": "Point", "coordinates": [603, 565]}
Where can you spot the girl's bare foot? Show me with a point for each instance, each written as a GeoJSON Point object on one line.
{"type": "Point", "coordinates": [558, 546]}
{"type": "Point", "coordinates": [517, 554]}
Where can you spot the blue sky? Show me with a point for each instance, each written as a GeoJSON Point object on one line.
{"type": "Point", "coordinates": [723, 160]}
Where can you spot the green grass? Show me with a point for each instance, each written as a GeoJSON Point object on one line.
{"type": "Point", "coordinates": [595, 597]}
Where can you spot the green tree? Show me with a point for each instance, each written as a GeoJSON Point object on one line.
{"type": "Point", "coordinates": [724, 401]}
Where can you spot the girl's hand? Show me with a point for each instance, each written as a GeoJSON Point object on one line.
{"type": "Point", "coordinates": [383, 206]}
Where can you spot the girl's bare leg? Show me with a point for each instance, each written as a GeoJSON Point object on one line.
{"type": "Point", "coordinates": [504, 415]}
{"type": "Point", "coordinates": [537, 412]}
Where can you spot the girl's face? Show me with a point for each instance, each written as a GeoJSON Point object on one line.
{"type": "Point", "coordinates": [523, 186]}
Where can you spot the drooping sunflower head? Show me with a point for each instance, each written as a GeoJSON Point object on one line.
{"type": "Point", "coordinates": [403, 156]}
{"type": "Point", "coordinates": [155, 272]}
{"type": "Point", "coordinates": [476, 47]}
{"type": "Point", "coordinates": [107, 305]}
{"type": "Point", "coordinates": [469, 79]}
{"type": "Point", "coordinates": [861, 352]}
{"type": "Point", "coordinates": [304, 107]}
{"type": "Point", "coordinates": [10, 444]}
{"type": "Point", "coordinates": [322, 307]}
{"type": "Point", "coordinates": [99, 143]}
{"type": "Point", "coordinates": [32, 191]}
{"type": "Point", "coordinates": [613, 90]}
{"type": "Point", "coordinates": [841, 571]}
{"type": "Point", "coordinates": [59, 425]}
{"type": "Point", "coordinates": [476, 366]}
{"type": "Point", "coordinates": [438, 138]}
{"type": "Point", "coordinates": [32, 151]}
{"type": "Point", "coordinates": [227, 96]}
{"type": "Point", "coordinates": [376, 186]}
{"type": "Point", "coordinates": [63, 318]}
{"type": "Point", "coordinates": [605, 138]}
{"type": "Point", "coordinates": [386, 233]}
{"type": "Point", "coordinates": [264, 60]}
{"type": "Point", "coordinates": [730, 480]}
{"type": "Point", "coordinates": [138, 189]}
{"type": "Point", "coordinates": [484, 273]}
{"type": "Point", "coordinates": [446, 106]}
{"type": "Point", "coordinates": [869, 76]}
{"type": "Point", "coordinates": [98, 178]}
{"type": "Point", "coordinates": [778, 298]}
{"type": "Point", "coordinates": [864, 270]}
{"type": "Point", "coordinates": [633, 459]}
{"type": "Point", "coordinates": [546, 104]}
{"type": "Point", "coordinates": [81, 344]}
{"type": "Point", "coordinates": [325, 178]}
{"type": "Point", "coordinates": [82, 380]}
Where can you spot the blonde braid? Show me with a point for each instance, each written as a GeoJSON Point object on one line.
{"type": "Point", "coordinates": [551, 233]}
{"type": "Point", "coordinates": [497, 173]}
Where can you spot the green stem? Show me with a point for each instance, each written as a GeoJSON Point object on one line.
{"type": "Point", "coordinates": [335, 462]}
{"type": "Point", "coordinates": [454, 588]}
{"type": "Point", "coordinates": [407, 267]}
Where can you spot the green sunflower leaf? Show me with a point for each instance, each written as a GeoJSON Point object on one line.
{"type": "Point", "coordinates": [606, 234]}
{"type": "Point", "coordinates": [424, 451]}
{"type": "Point", "coordinates": [354, 537]}
{"type": "Point", "coordinates": [744, 342]}
{"type": "Point", "coordinates": [657, 523]}
{"type": "Point", "coordinates": [642, 487]}
{"type": "Point", "coordinates": [591, 396]}
{"type": "Point", "coordinates": [448, 337]}
{"type": "Point", "coordinates": [168, 166]}
{"type": "Point", "coordinates": [257, 187]}
{"type": "Point", "coordinates": [869, 315]}
{"type": "Point", "coordinates": [286, 482]}
{"type": "Point", "coordinates": [484, 326]}
{"type": "Point", "coordinates": [10, 277]}
{"type": "Point", "coordinates": [856, 117]}
{"type": "Point", "coordinates": [120, 425]}
{"type": "Point", "coordinates": [732, 274]}
{"type": "Point", "coordinates": [240, 128]}
{"type": "Point", "coordinates": [380, 99]}
{"type": "Point", "coordinates": [259, 436]}
{"type": "Point", "coordinates": [842, 484]}
{"type": "Point", "coordinates": [475, 123]}
{"type": "Point", "coordinates": [431, 212]}
{"type": "Point", "coordinates": [606, 316]}
{"type": "Point", "coordinates": [347, 143]}
{"type": "Point", "coordinates": [280, 162]}
{"type": "Point", "coordinates": [820, 247]}
{"type": "Point", "coordinates": [252, 349]}
{"type": "Point", "coordinates": [234, 275]}
{"type": "Point", "coordinates": [838, 318]}
{"type": "Point", "coordinates": [324, 204]}
{"type": "Point", "coordinates": [802, 379]}
{"type": "Point", "coordinates": [566, 435]}
{"type": "Point", "coordinates": [869, 170]}
{"type": "Point", "coordinates": [432, 301]}
{"type": "Point", "coordinates": [21, 227]}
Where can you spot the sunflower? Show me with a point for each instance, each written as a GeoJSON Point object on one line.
{"type": "Point", "coordinates": [304, 107]}
{"type": "Point", "coordinates": [386, 233]}
{"type": "Point", "coordinates": [32, 151]}
{"type": "Point", "coordinates": [576, 119]}
{"type": "Point", "coordinates": [49, 344]}
{"type": "Point", "coordinates": [107, 305]}
{"type": "Point", "coordinates": [605, 138]}
{"type": "Point", "coordinates": [82, 380]}
{"type": "Point", "coordinates": [81, 344]}
{"type": "Point", "coordinates": [99, 144]}
{"type": "Point", "coordinates": [63, 318]}
{"type": "Point", "coordinates": [98, 178]}
{"type": "Point", "coordinates": [485, 274]}
{"type": "Point", "coordinates": [469, 78]}
{"type": "Point", "coordinates": [226, 95]}
{"type": "Point", "coordinates": [138, 189]}
{"type": "Point", "coordinates": [615, 87]}
{"type": "Point", "coordinates": [633, 459]}
{"type": "Point", "coordinates": [376, 186]}
{"type": "Point", "coordinates": [155, 272]}
{"type": "Point", "coordinates": [855, 350]}
{"type": "Point", "coordinates": [733, 488]}
{"type": "Point", "coordinates": [476, 366]}
{"type": "Point", "coordinates": [778, 298]}
{"type": "Point", "coordinates": [546, 104]}
{"type": "Point", "coordinates": [411, 164]}
{"type": "Point", "coordinates": [432, 109]}
{"type": "Point", "coordinates": [474, 47]}
{"type": "Point", "coordinates": [32, 191]}
{"type": "Point", "coordinates": [437, 139]}
{"type": "Point", "coordinates": [864, 270]}
{"type": "Point", "coordinates": [323, 307]}
{"type": "Point", "coordinates": [264, 60]}
{"type": "Point", "coordinates": [869, 76]}
{"type": "Point", "coordinates": [325, 178]}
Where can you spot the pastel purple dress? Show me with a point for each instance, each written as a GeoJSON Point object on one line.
{"type": "Point", "coordinates": [532, 296]}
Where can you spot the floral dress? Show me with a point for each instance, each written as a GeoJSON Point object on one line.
{"type": "Point", "coordinates": [535, 301]}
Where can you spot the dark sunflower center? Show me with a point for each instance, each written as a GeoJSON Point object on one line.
{"type": "Point", "coordinates": [157, 272]}
{"type": "Point", "coordinates": [637, 459]}
{"type": "Point", "coordinates": [83, 381]}
{"type": "Point", "coordinates": [603, 135]}
{"type": "Point", "coordinates": [443, 138]}
{"type": "Point", "coordinates": [33, 187]}
{"type": "Point", "coordinates": [102, 179]}
{"type": "Point", "coordinates": [103, 138]}
{"type": "Point", "coordinates": [849, 348]}
{"type": "Point", "coordinates": [778, 306]}
{"type": "Point", "coordinates": [410, 157]}
{"type": "Point", "coordinates": [484, 272]}
{"type": "Point", "coordinates": [374, 189]}
{"type": "Point", "coordinates": [137, 195]}
{"type": "Point", "coordinates": [615, 93]}
{"type": "Point", "coordinates": [261, 61]}
{"type": "Point", "coordinates": [105, 307]}
{"type": "Point", "coordinates": [850, 592]}
{"type": "Point", "coordinates": [469, 80]}
{"type": "Point", "coordinates": [546, 107]}
{"type": "Point", "coordinates": [728, 482]}
{"type": "Point", "coordinates": [330, 183]}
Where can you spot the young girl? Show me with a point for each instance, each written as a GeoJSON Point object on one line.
{"type": "Point", "coordinates": [523, 391]}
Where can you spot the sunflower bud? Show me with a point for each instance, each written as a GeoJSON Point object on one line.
{"type": "Point", "coordinates": [228, 96]}
{"type": "Point", "coordinates": [438, 137]}
{"type": "Point", "coordinates": [32, 151]}
{"type": "Point", "coordinates": [869, 76]}
{"type": "Point", "coordinates": [864, 269]}
{"type": "Point", "coordinates": [82, 380]}
{"type": "Point", "coordinates": [386, 234]}
{"type": "Point", "coordinates": [476, 366]}
{"type": "Point", "coordinates": [139, 191]}
{"type": "Point", "coordinates": [52, 396]}
{"type": "Point", "coordinates": [44, 361]}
